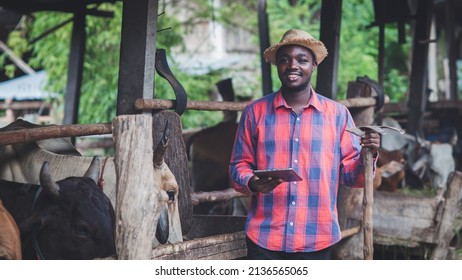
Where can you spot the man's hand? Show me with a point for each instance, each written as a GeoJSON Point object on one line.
{"type": "Point", "coordinates": [371, 140]}
{"type": "Point", "coordinates": [263, 185]}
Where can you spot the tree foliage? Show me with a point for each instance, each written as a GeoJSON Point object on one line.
{"type": "Point", "coordinates": [358, 49]}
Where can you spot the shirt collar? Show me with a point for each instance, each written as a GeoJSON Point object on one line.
{"type": "Point", "coordinates": [314, 101]}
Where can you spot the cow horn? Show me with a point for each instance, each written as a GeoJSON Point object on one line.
{"type": "Point", "coordinates": [422, 142]}
{"type": "Point", "coordinates": [159, 152]}
{"type": "Point", "coordinates": [47, 183]}
{"type": "Point", "coordinates": [93, 170]}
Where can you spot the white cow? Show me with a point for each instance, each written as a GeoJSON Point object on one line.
{"type": "Point", "coordinates": [433, 160]}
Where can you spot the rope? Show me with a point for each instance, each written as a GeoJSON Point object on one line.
{"type": "Point", "coordinates": [101, 180]}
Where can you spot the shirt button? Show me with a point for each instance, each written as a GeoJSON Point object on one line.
{"type": "Point", "coordinates": [293, 202]}
{"type": "Point", "coordinates": [298, 119]}
{"type": "Point", "coordinates": [295, 183]}
{"type": "Point", "coordinates": [291, 224]}
{"type": "Point", "coordinates": [296, 139]}
{"type": "Point", "coordinates": [295, 161]}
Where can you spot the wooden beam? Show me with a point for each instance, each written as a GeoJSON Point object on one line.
{"type": "Point", "coordinates": [451, 50]}
{"type": "Point", "coordinates": [137, 54]}
{"type": "Point", "coordinates": [331, 14]}
{"type": "Point", "coordinates": [15, 59]}
{"type": "Point", "coordinates": [139, 199]}
{"type": "Point", "coordinates": [451, 210]}
{"type": "Point", "coordinates": [263, 31]}
{"type": "Point", "coordinates": [24, 105]}
{"type": "Point", "coordinates": [150, 104]}
{"type": "Point", "coordinates": [418, 86]}
{"type": "Point", "coordinates": [53, 131]}
{"type": "Point", "coordinates": [75, 70]}
{"type": "Point", "coordinates": [156, 104]}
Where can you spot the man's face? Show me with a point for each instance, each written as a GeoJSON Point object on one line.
{"type": "Point", "coordinates": [295, 65]}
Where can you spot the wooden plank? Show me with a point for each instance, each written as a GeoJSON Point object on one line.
{"type": "Point", "coordinates": [219, 247]}
{"type": "Point", "coordinates": [24, 105]}
{"type": "Point", "coordinates": [137, 207]}
{"type": "Point", "coordinates": [405, 217]}
{"type": "Point", "coordinates": [451, 210]}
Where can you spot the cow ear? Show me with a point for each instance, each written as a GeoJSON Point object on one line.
{"type": "Point", "coordinates": [93, 170]}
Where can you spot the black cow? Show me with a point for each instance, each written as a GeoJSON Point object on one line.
{"type": "Point", "coordinates": [68, 219]}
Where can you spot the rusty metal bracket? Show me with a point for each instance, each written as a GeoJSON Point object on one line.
{"type": "Point", "coordinates": [164, 71]}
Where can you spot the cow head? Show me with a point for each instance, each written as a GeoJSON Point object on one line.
{"type": "Point", "coordinates": [71, 219]}
{"type": "Point", "coordinates": [169, 219]}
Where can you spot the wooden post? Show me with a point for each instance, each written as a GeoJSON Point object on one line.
{"type": "Point", "coordinates": [451, 209]}
{"type": "Point", "coordinates": [368, 202]}
{"type": "Point", "coordinates": [75, 69]}
{"type": "Point", "coordinates": [326, 79]}
{"type": "Point", "coordinates": [263, 31]}
{"type": "Point", "coordinates": [138, 198]}
{"type": "Point", "coordinates": [137, 54]}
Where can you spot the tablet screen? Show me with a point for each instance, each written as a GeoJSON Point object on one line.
{"type": "Point", "coordinates": [286, 174]}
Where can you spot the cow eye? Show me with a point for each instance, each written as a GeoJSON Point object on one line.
{"type": "Point", "coordinates": [81, 229]}
{"type": "Point", "coordinates": [171, 195]}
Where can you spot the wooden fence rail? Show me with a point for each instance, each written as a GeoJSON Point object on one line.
{"type": "Point", "coordinates": [53, 131]}
{"type": "Point", "coordinates": [150, 104]}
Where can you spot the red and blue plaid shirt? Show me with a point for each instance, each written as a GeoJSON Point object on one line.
{"type": "Point", "coordinates": [296, 216]}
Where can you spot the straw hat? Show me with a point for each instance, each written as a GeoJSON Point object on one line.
{"type": "Point", "coordinates": [300, 38]}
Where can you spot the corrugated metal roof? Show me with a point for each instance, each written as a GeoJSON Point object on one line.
{"type": "Point", "coordinates": [26, 87]}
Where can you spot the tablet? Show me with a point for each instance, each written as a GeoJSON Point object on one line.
{"type": "Point", "coordinates": [286, 174]}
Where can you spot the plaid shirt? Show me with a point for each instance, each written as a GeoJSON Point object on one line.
{"type": "Point", "coordinates": [297, 216]}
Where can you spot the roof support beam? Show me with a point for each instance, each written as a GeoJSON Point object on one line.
{"type": "Point", "coordinates": [75, 69]}
{"type": "Point", "coordinates": [263, 30]}
{"type": "Point", "coordinates": [418, 87]}
{"type": "Point", "coordinates": [137, 54]}
{"type": "Point", "coordinates": [331, 14]}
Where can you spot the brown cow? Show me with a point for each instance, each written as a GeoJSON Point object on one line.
{"type": "Point", "coordinates": [10, 240]}
{"type": "Point", "coordinates": [390, 170]}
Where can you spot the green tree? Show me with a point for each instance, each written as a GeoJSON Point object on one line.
{"type": "Point", "coordinates": [358, 50]}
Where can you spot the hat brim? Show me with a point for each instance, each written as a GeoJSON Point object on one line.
{"type": "Point", "coordinates": [317, 47]}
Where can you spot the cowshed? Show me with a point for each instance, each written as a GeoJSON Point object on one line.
{"type": "Point", "coordinates": [22, 164]}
